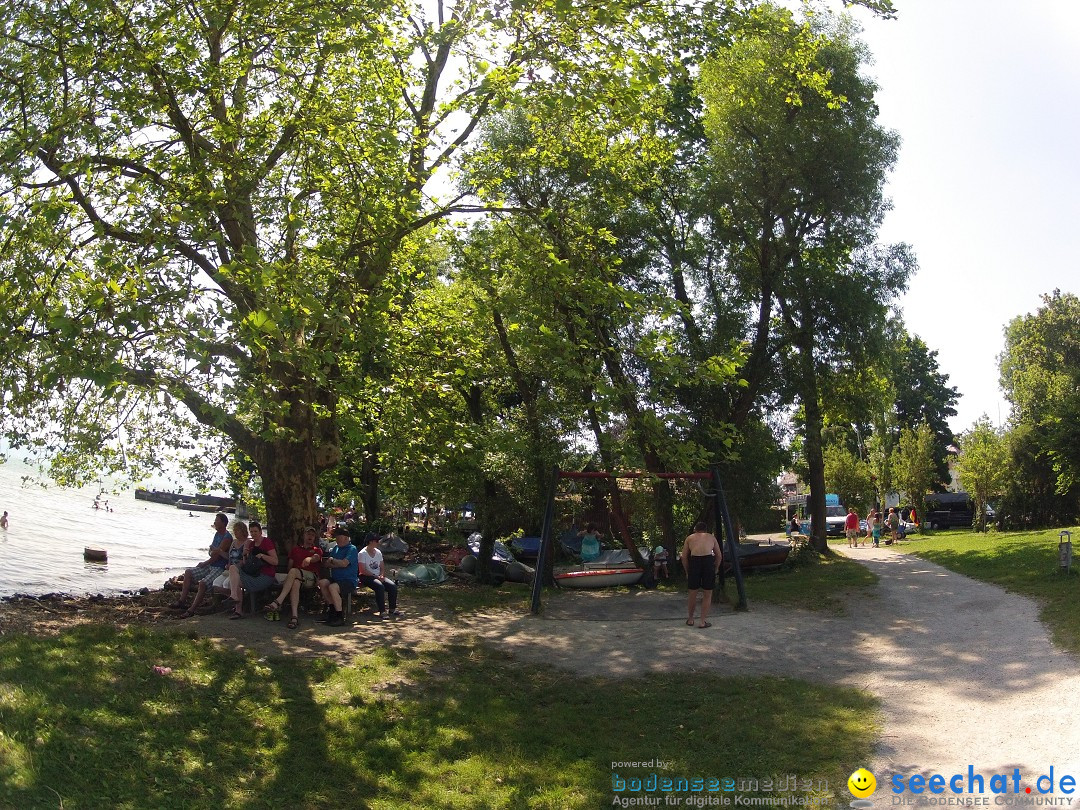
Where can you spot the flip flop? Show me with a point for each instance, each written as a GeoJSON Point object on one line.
{"type": "Point", "coordinates": [292, 623]}
{"type": "Point", "coordinates": [689, 622]}
{"type": "Point", "coordinates": [271, 607]}
{"type": "Point", "coordinates": [236, 615]}
{"type": "Point", "coordinates": [703, 626]}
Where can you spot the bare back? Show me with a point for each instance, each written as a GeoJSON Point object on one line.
{"type": "Point", "coordinates": [702, 544]}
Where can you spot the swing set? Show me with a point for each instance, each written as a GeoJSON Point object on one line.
{"type": "Point", "coordinates": [563, 483]}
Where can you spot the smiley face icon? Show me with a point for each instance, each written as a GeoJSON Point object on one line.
{"type": "Point", "coordinates": [862, 783]}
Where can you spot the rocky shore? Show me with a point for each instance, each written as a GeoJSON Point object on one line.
{"type": "Point", "coordinates": [53, 612]}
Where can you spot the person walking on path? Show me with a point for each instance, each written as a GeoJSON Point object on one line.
{"type": "Point", "coordinates": [4, 520]}
{"type": "Point", "coordinates": [894, 524]}
{"type": "Point", "coordinates": [851, 527]}
{"type": "Point", "coordinates": [701, 559]}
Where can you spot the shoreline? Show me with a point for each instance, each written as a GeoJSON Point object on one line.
{"type": "Point", "coordinates": [55, 612]}
{"type": "Point", "coordinates": [58, 596]}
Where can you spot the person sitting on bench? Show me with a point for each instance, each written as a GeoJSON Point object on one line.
{"type": "Point", "coordinates": [204, 574]}
{"type": "Point", "coordinates": [373, 576]}
{"type": "Point", "coordinates": [260, 558]}
{"type": "Point", "coordinates": [305, 564]}
{"type": "Point", "coordinates": [343, 576]}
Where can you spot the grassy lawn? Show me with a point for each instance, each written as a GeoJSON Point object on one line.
{"type": "Point", "coordinates": [813, 582]}
{"type": "Point", "coordinates": [86, 723]}
{"type": "Point", "coordinates": [810, 582]}
{"type": "Point", "coordinates": [1022, 562]}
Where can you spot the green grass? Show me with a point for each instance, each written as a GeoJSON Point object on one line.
{"type": "Point", "coordinates": [1021, 562]}
{"type": "Point", "coordinates": [87, 724]}
{"type": "Point", "coordinates": [811, 582]}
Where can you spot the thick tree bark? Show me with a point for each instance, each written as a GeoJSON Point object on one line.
{"type": "Point", "coordinates": [289, 480]}
{"type": "Point", "coordinates": [289, 469]}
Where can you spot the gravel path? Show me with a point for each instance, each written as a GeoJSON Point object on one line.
{"type": "Point", "coordinates": [965, 672]}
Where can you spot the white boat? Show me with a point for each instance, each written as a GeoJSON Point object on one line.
{"type": "Point", "coordinates": [599, 578]}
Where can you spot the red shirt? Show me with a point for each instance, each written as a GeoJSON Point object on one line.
{"type": "Point", "coordinates": [301, 553]}
{"type": "Point", "coordinates": [852, 521]}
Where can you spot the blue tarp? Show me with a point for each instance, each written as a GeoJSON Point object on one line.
{"type": "Point", "coordinates": [526, 546]}
{"type": "Point", "coordinates": [501, 552]}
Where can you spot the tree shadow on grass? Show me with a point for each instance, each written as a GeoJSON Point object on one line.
{"type": "Point", "coordinates": [91, 724]}
{"type": "Point", "coordinates": [87, 723]}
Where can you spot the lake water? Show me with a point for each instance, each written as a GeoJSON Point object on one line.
{"type": "Point", "coordinates": [41, 551]}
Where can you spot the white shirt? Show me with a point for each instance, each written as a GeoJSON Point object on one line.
{"type": "Point", "coordinates": [372, 562]}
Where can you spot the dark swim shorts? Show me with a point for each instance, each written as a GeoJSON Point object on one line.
{"type": "Point", "coordinates": [702, 573]}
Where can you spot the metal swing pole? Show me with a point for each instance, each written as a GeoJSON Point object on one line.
{"type": "Point", "coordinates": [732, 540]}
{"type": "Point", "coordinates": [545, 544]}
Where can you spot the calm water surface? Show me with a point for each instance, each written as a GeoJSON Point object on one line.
{"type": "Point", "coordinates": [41, 551]}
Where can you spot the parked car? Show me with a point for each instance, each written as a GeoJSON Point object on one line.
{"type": "Point", "coordinates": [835, 517]}
{"type": "Point", "coordinates": [949, 510]}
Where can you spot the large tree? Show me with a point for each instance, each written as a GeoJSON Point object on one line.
{"type": "Point", "coordinates": [1040, 375]}
{"type": "Point", "coordinates": [849, 477]}
{"type": "Point", "coordinates": [923, 395]}
{"type": "Point", "coordinates": [211, 204]}
{"type": "Point", "coordinates": [798, 162]}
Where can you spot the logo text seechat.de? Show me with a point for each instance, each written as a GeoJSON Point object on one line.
{"type": "Point", "coordinates": [999, 783]}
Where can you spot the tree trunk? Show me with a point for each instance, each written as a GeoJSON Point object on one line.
{"type": "Point", "coordinates": [290, 469]}
{"type": "Point", "coordinates": [526, 389]}
{"type": "Point", "coordinates": [289, 479]}
{"type": "Point", "coordinates": [815, 459]}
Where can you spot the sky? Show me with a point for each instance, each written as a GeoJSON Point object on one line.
{"type": "Point", "coordinates": [986, 98]}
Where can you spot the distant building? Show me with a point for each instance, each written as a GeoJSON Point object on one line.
{"type": "Point", "coordinates": [791, 485]}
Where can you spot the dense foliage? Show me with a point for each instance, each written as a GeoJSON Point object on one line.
{"type": "Point", "coordinates": [406, 252]}
{"type": "Point", "coordinates": [1040, 375]}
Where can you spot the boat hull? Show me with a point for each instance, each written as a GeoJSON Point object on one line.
{"type": "Point", "coordinates": [599, 578]}
{"type": "Point", "coordinates": [762, 556]}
